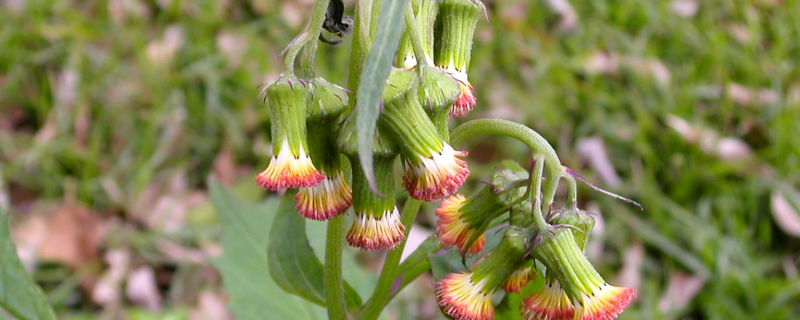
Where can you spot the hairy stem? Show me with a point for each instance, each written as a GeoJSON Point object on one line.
{"type": "Point", "coordinates": [309, 34]}
{"type": "Point", "coordinates": [534, 141]}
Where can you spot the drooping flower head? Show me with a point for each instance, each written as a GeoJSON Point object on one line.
{"type": "Point", "coordinates": [580, 221]}
{"type": "Point", "coordinates": [290, 166]}
{"type": "Point", "coordinates": [468, 296]}
{"type": "Point", "coordinates": [454, 47]}
{"type": "Point", "coordinates": [591, 296]}
{"type": "Point", "coordinates": [433, 168]}
{"type": "Point", "coordinates": [517, 280]}
{"type": "Point", "coordinates": [332, 196]}
{"type": "Point", "coordinates": [377, 224]}
{"type": "Point", "coordinates": [463, 221]}
{"type": "Point", "coordinates": [325, 200]}
{"type": "Point", "coordinates": [550, 303]}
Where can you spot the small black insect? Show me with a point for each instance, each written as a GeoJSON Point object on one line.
{"type": "Point", "coordinates": [336, 22]}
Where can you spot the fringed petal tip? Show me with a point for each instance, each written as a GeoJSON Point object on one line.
{"type": "Point", "coordinates": [287, 170]}
{"type": "Point", "coordinates": [370, 233]}
{"type": "Point", "coordinates": [604, 303]}
{"type": "Point", "coordinates": [452, 230]}
{"type": "Point", "coordinates": [518, 279]}
{"type": "Point", "coordinates": [465, 102]}
{"type": "Point", "coordinates": [325, 200]}
{"type": "Point", "coordinates": [463, 299]}
{"type": "Point", "coordinates": [436, 175]}
{"type": "Point", "coordinates": [550, 303]}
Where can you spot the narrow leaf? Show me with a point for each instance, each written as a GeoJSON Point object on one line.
{"type": "Point", "coordinates": [373, 78]}
{"type": "Point", "coordinates": [292, 262]}
{"type": "Point", "coordinates": [19, 296]}
{"type": "Point", "coordinates": [243, 264]}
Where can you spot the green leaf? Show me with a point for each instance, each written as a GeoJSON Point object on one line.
{"type": "Point", "coordinates": [19, 296]}
{"type": "Point", "coordinates": [292, 262]}
{"type": "Point", "coordinates": [373, 78]}
{"type": "Point", "coordinates": [244, 263]}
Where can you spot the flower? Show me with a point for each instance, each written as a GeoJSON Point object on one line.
{"type": "Point", "coordinates": [550, 303]}
{"type": "Point", "coordinates": [603, 302]}
{"type": "Point", "coordinates": [325, 200]}
{"type": "Point", "coordinates": [591, 296]}
{"type": "Point", "coordinates": [376, 233]}
{"type": "Point", "coordinates": [453, 230]}
{"type": "Point", "coordinates": [468, 296]}
{"type": "Point", "coordinates": [459, 18]}
{"type": "Point", "coordinates": [433, 176]}
{"type": "Point", "coordinates": [289, 170]}
{"type": "Point", "coordinates": [464, 299]}
{"type": "Point", "coordinates": [290, 166]}
{"type": "Point", "coordinates": [519, 278]}
{"type": "Point", "coordinates": [433, 169]}
{"type": "Point", "coordinates": [466, 99]}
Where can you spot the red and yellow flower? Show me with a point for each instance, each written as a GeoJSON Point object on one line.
{"type": "Point", "coordinates": [325, 200]}
{"type": "Point", "coordinates": [520, 278]}
{"type": "Point", "coordinates": [464, 298]}
{"type": "Point", "coordinates": [550, 303]}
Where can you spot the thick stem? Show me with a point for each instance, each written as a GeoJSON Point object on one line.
{"type": "Point", "coordinates": [537, 144]}
{"type": "Point", "coordinates": [381, 296]}
{"type": "Point", "coordinates": [334, 285]}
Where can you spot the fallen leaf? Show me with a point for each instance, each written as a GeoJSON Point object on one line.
{"type": "Point", "coordinates": [786, 216]}
{"type": "Point", "coordinates": [108, 290]}
{"type": "Point", "coordinates": [73, 235]}
{"type": "Point", "coordinates": [684, 8]}
{"type": "Point", "coordinates": [569, 19]}
{"type": "Point", "coordinates": [142, 290]}
{"type": "Point", "coordinates": [682, 288]}
{"type": "Point", "coordinates": [593, 151]}
{"type": "Point", "coordinates": [162, 51]}
{"type": "Point", "coordinates": [631, 274]}
{"type": "Point", "coordinates": [211, 306]}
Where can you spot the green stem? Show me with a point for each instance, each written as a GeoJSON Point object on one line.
{"type": "Point", "coordinates": [309, 34]}
{"type": "Point", "coordinates": [537, 144]}
{"type": "Point", "coordinates": [334, 285]}
{"type": "Point", "coordinates": [572, 191]}
{"type": "Point", "coordinates": [380, 296]}
{"type": "Point", "coordinates": [536, 195]}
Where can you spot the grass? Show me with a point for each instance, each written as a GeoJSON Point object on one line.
{"type": "Point", "coordinates": [105, 100]}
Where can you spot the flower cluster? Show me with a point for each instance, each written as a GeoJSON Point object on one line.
{"type": "Point", "coordinates": [316, 150]}
{"type": "Point", "coordinates": [573, 290]}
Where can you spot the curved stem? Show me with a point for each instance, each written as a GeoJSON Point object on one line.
{"type": "Point", "coordinates": [537, 144]}
{"type": "Point", "coordinates": [334, 285]}
{"type": "Point", "coordinates": [572, 191]}
{"type": "Point", "coordinates": [381, 296]}
{"type": "Point", "coordinates": [416, 42]}
{"type": "Point", "coordinates": [309, 34]}
{"type": "Point", "coordinates": [535, 193]}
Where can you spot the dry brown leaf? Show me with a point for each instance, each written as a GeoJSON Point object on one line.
{"type": "Point", "coordinates": [569, 19]}
{"type": "Point", "coordinates": [682, 288]}
{"type": "Point", "coordinates": [73, 236]}
{"type": "Point", "coordinates": [211, 306]}
{"type": "Point", "coordinates": [684, 8]}
{"type": "Point", "coordinates": [631, 275]}
{"type": "Point", "coordinates": [108, 291]}
{"type": "Point", "coordinates": [731, 150]}
{"type": "Point", "coordinates": [785, 215]}
{"type": "Point", "coordinates": [162, 51]}
{"type": "Point", "coordinates": [142, 290]}
{"type": "Point", "coordinates": [233, 46]}
{"type": "Point", "coordinates": [745, 96]}
{"type": "Point", "coordinates": [225, 167]}
{"type": "Point", "coordinates": [593, 151]}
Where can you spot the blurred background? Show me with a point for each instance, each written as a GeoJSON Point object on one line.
{"type": "Point", "coordinates": [114, 113]}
